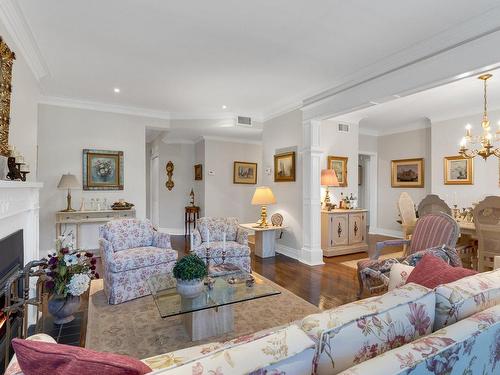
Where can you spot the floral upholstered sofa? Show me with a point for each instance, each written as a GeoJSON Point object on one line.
{"type": "Point", "coordinates": [131, 252]}
{"type": "Point", "coordinates": [210, 232]}
{"type": "Point", "coordinates": [452, 329]}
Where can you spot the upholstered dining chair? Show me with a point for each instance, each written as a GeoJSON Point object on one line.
{"type": "Point", "coordinates": [407, 213]}
{"type": "Point", "coordinates": [432, 204]}
{"type": "Point", "coordinates": [487, 222]}
{"type": "Point", "coordinates": [431, 231]}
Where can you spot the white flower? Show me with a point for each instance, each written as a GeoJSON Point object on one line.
{"type": "Point", "coordinates": [70, 259]}
{"type": "Point", "coordinates": [78, 284]}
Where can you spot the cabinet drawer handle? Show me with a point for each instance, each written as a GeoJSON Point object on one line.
{"type": "Point", "coordinates": [339, 230]}
{"type": "Point", "coordinates": [355, 228]}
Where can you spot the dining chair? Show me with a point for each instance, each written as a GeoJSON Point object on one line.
{"type": "Point", "coordinates": [432, 204]}
{"type": "Point", "coordinates": [487, 222]}
{"type": "Point", "coordinates": [407, 213]}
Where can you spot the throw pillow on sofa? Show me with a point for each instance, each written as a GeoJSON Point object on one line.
{"type": "Point", "coordinates": [42, 358]}
{"type": "Point", "coordinates": [399, 274]}
{"type": "Point", "coordinates": [432, 271]}
{"type": "Point", "coordinates": [462, 298]}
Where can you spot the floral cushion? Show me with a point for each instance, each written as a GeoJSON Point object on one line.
{"type": "Point", "coordinates": [358, 331]}
{"type": "Point", "coordinates": [471, 346]}
{"type": "Point", "coordinates": [467, 296]}
{"type": "Point", "coordinates": [399, 274]}
{"type": "Point", "coordinates": [128, 233]}
{"type": "Point", "coordinates": [233, 249]}
{"type": "Point", "coordinates": [250, 357]}
{"type": "Point", "coordinates": [216, 227]}
{"type": "Point", "coordinates": [140, 257]}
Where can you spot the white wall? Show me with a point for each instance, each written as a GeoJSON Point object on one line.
{"type": "Point", "coordinates": [446, 137]}
{"type": "Point", "coordinates": [282, 133]}
{"type": "Point", "coordinates": [23, 107]}
{"type": "Point", "coordinates": [172, 202]}
{"type": "Point", "coordinates": [63, 134]}
{"type": "Point", "coordinates": [368, 143]}
{"type": "Point", "coordinates": [412, 144]}
{"type": "Point", "coordinates": [335, 143]}
{"type": "Point", "coordinates": [222, 197]}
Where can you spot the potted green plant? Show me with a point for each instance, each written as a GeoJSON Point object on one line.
{"type": "Point", "coordinates": [190, 273]}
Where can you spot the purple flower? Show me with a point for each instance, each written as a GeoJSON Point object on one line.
{"type": "Point", "coordinates": [418, 318]}
{"type": "Point", "coordinates": [50, 284]}
{"type": "Point", "coordinates": [89, 255]}
{"type": "Point", "coordinates": [65, 250]}
{"type": "Point", "coordinates": [52, 261]}
{"type": "Point", "coordinates": [96, 275]}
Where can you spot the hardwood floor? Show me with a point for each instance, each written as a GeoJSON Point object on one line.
{"type": "Point", "coordinates": [325, 286]}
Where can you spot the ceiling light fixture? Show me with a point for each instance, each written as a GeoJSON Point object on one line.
{"type": "Point", "coordinates": [224, 106]}
{"type": "Point", "coordinates": [116, 90]}
{"type": "Point", "coordinates": [484, 140]}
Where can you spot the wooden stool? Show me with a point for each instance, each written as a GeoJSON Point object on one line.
{"type": "Point", "coordinates": [191, 214]}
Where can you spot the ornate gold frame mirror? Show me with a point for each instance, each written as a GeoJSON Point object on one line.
{"type": "Point", "coordinates": [7, 58]}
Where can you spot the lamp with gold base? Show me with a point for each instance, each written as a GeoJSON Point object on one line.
{"type": "Point", "coordinates": [68, 181]}
{"type": "Point", "coordinates": [263, 196]}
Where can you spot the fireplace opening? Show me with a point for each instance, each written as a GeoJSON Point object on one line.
{"type": "Point", "coordinates": [11, 261]}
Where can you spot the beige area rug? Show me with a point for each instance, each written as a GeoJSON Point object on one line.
{"type": "Point", "coordinates": [135, 328]}
{"type": "Point", "coordinates": [354, 263]}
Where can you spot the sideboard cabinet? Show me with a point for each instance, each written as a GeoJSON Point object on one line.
{"type": "Point", "coordinates": [343, 232]}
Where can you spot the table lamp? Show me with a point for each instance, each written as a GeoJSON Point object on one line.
{"type": "Point", "coordinates": [68, 181]}
{"type": "Point", "coordinates": [263, 196]}
{"type": "Point", "coordinates": [328, 178]}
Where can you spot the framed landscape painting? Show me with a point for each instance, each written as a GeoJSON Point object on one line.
{"type": "Point", "coordinates": [339, 165]}
{"type": "Point", "coordinates": [458, 170]}
{"type": "Point", "coordinates": [244, 173]}
{"type": "Point", "coordinates": [284, 167]}
{"type": "Point", "coordinates": [102, 170]}
{"type": "Point", "coordinates": [407, 173]}
{"type": "Point", "coordinates": [198, 172]}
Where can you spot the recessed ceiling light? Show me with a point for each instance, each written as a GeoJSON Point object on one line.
{"type": "Point", "coordinates": [224, 106]}
{"type": "Point", "coordinates": [116, 90]}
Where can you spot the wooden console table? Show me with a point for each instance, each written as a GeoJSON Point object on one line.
{"type": "Point", "coordinates": [343, 232]}
{"type": "Point", "coordinates": [191, 214]}
{"type": "Point", "coordinates": [78, 218]}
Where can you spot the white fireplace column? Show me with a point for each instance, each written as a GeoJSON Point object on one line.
{"type": "Point", "coordinates": [311, 194]}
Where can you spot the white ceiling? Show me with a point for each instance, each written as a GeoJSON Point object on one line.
{"type": "Point", "coordinates": [460, 98]}
{"type": "Point", "coordinates": [195, 56]}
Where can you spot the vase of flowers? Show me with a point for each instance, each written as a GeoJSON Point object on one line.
{"type": "Point", "coordinates": [69, 273]}
{"type": "Point", "coordinates": [190, 273]}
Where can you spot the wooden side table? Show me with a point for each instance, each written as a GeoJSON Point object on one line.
{"type": "Point", "coordinates": [191, 214]}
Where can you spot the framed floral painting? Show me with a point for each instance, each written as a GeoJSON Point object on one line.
{"type": "Point", "coordinates": [339, 165]}
{"type": "Point", "coordinates": [102, 170]}
{"type": "Point", "coordinates": [284, 167]}
{"type": "Point", "coordinates": [458, 170]}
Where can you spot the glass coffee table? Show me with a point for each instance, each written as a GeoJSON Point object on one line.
{"type": "Point", "coordinates": [211, 313]}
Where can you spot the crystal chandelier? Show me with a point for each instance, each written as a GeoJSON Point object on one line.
{"type": "Point", "coordinates": [473, 145]}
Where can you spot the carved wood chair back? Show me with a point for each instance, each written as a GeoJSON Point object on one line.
{"type": "Point", "coordinates": [487, 223]}
{"type": "Point", "coordinates": [432, 204]}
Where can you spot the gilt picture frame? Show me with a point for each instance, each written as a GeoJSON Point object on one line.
{"type": "Point", "coordinates": [284, 167]}
{"type": "Point", "coordinates": [339, 164]}
{"type": "Point", "coordinates": [458, 170]}
{"type": "Point", "coordinates": [407, 173]}
{"type": "Point", "coordinates": [102, 170]}
{"type": "Point", "coordinates": [198, 172]}
{"type": "Point", "coordinates": [244, 173]}
{"type": "Point", "coordinates": [7, 58]}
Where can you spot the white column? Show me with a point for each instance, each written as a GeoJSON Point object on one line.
{"type": "Point", "coordinates": [311, 194]}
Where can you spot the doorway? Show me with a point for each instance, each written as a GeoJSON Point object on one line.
{"type": "Point", "coordinates": [367, 187]}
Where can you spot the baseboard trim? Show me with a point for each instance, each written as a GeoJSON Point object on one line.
{"type": "Point", "coordinates": [288, 251]}
{"type": "Point", "coordinates": [387, 232]}
{"type": "Point", "coordinates": [173, 231]}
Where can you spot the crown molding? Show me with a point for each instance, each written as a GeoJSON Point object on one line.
{"type": "Point", "coordinates": [12, 17]}
{"type": "Point", "coordinates": [279, 111]}
{"type": "Point", "coordinates": [229, 139]}
{"type": "Point", "coordinates": [203, 116]}
{"type": "Point", "coordinates": [103, 107]}
{"type": "Point", "coordinates": [177, 141]}
{"type": "Point", "coordinates": [371, 132]}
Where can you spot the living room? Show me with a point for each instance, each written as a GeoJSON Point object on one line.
{"type": "Point", "coordinates": [186, 186]}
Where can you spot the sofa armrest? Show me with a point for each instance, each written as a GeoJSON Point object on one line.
{"type": "Point", "coordinates": [13, 367]}
{"type": "Point", "coordinates": [161, 240]}
{"type": "Point", "coordinates": [106, 250]}
{"type": "Point", "coordinates": [195, 239]}
{"type": "Point", "coordinates": [242, 237]}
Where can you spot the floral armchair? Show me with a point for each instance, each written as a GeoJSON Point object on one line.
{"type": "Point", "coordinates": [431, 232]}
{"type": "Point", "coordinates": [209, 233]}
{"type": "Point", "coordinates": [131, 252]}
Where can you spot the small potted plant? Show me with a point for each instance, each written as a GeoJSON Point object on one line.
{"type": "Point", "coordinates": [190, 273]}
{"type": "Point", "coordinates": [69, 273]}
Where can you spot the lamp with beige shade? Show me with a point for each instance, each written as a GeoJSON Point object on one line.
{"type": "Point", "coordinates": [262, 197]}
{"type": "Point", "coordinates": [68, 181]}
{"type": "Point", "coordinates": [328, 178]}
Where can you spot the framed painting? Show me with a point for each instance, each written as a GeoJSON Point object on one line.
{"type": "Point", "coordinates": [6, 61]}
{"type": "Point", "coordinates": [198, 172]}
{"type": "Point", "coordinates": [284, 167]}
{"type": "Point", "coordinates": [244, 173]}
{"type": "Point", "coordinates": [458, 170]}
{"type": "Point", "coordinates": [102, 170]}
{"type": "Point", "coordinates": [407, 173]}
{"type": "Point", "coordinates": [339, 164]}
